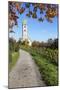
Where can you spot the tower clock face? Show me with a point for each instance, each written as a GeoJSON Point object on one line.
{"type": "Point", "coordinates": [24, 31]}
{"type": "Point", "coordinates": [24, 28]}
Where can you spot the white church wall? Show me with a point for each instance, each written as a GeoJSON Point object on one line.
{"type": "Point", "coordinates": [25, 32]}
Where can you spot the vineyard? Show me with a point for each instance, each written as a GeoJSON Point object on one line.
{"type": "Point", "coordinates": [47, 61]}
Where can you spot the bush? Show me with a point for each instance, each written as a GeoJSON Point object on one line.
{"type": "Point", "coordinates": [13, 45]}
{"type": "Point", "coordinates": [17, 47]}
{"type": "Point", "coordinates": [13, 59]}
{"type": "Point", "coordinates": [47, 60]}
{"type": "Point", "coordinates": [48, 71]}
{"type": "Point", "coordinates": [10, 57]}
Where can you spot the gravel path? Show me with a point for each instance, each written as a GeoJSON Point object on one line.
{"type": "Point", "coordinates": [25, 73]}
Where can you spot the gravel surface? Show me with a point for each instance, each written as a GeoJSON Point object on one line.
{"type": "Point", "coordinates": [25, 73]}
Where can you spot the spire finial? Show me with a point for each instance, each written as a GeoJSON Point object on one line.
{"type": "Point", "coordinates": [24, 21]}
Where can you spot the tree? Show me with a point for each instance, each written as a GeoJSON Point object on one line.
{"type": "Point", "coordinates": [55, 44]}
{"type": "Point", "coordinates": [19, 41]}
{"type": "Point", "coordinates": [52, 43]}
{"type": "Point", "coordinates": [35, 44]}
{"type": "Point", "coordinates": [25, 42]}
{"type": "Point", "coordinates": [13, 45]}
{"type": "Point", "coordinates": [50, 10]}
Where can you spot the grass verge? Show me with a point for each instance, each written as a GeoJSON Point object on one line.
{"type": "Point", "coordinates": [13, 57]}
{"type": "Point", "coordinates": [48, 70]}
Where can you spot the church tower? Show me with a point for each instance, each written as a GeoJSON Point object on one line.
{"type": "Point", "coordinates": [24, 30]}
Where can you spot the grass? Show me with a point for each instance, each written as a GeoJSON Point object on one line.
{"type": "Point", "coordinates": [13, 59]}
{"type": "Point", "coordinates": [48, 70]}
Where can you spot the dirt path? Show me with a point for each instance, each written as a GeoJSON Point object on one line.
{"type": "Point", "coordinates": [25, 73]}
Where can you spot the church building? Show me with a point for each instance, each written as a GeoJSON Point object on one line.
{"type": "Point", "coordinates": [25, 33]}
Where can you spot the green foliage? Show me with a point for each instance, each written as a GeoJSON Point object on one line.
{"type": "Point", "coordinates": [48, 11]}
{"type": "Point", "coordinates": [51, 43]}
{"type": "Point", "coordinates": [14, 56]}
{"type": "Point", "coordinates": [45, 59]}
{"type": "Point", "coordinates": [10, 57]}
{"type": "Point", "coordinates": [34, 15]}
{"type": "Point", "coordinates": [17, 47]}
{"type": "Point", "coordinates": [27, 5]}
{"type": "Point", "coordinates": [13, 52]}
{"type": "Point", "coordinates": [13, 45]}
{"type": "Point", "coordinates": [35, 44]}
{"type": "Point", "coordinates": [48, 71]}
{"type": "Point", "coordinates": [25, 42]}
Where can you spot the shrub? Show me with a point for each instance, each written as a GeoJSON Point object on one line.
{"type": "Point", "coordinates": [47, 60]}
{"type": "Point", "coordinates": [48, 71]}
{"type": "Point", "coordinates": [17, 47]}
{"type": "Point", "coordinates": [10, 57]}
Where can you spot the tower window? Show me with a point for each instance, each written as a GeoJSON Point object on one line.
{"type": "Point", "coordinates": [24, 29]}
{"type": "Point", "coordinates": [24, 26]}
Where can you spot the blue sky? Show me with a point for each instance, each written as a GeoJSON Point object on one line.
{"type": "Point", "coordinates": [40, 31]}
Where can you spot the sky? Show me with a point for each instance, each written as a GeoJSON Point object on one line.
{"type": "Point", "coordinates": [39, 31]}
